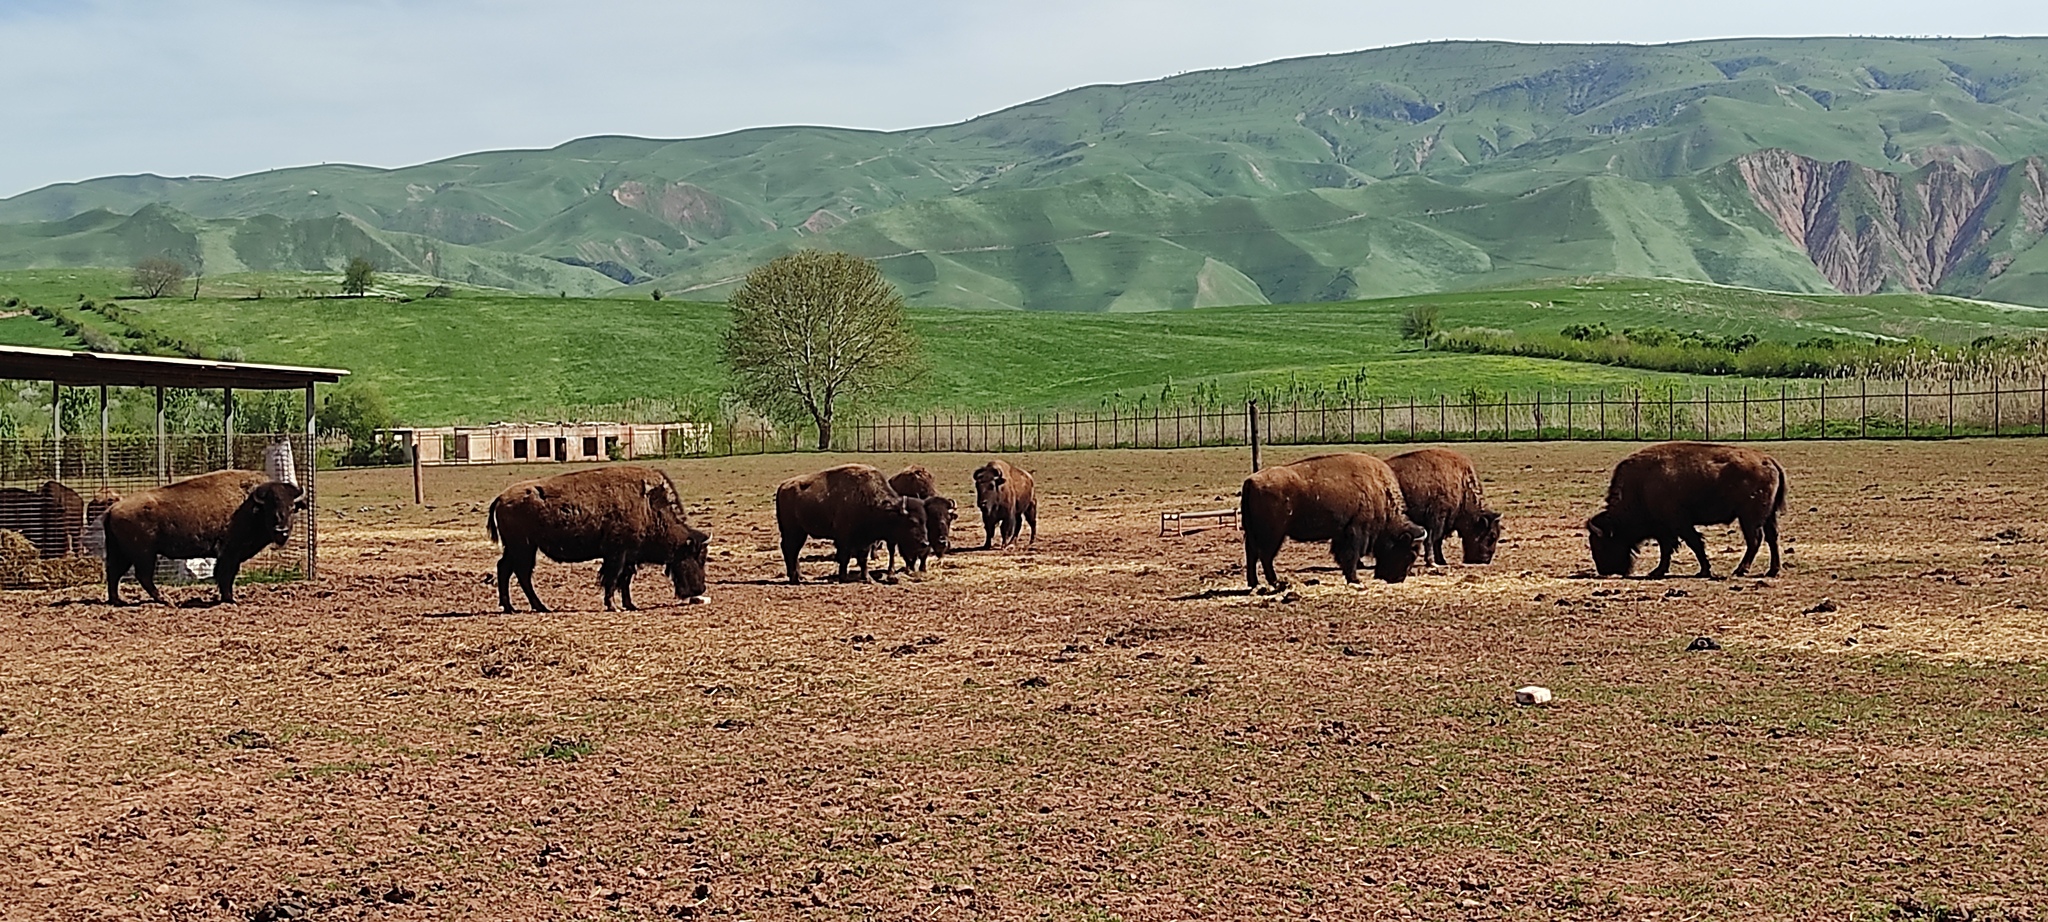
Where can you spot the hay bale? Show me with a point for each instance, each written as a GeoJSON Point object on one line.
{"type": "Point", "coordinates": [20, 562]}
{"type": "Point", "coordinates": [22, 566]}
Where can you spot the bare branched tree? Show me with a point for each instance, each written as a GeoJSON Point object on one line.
{"type": "Point", "coordinates": [157, 275]}
{"type": "Point", "coordinates": [814, 331]}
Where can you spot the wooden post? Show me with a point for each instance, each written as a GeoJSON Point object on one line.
{"type": "Point", "coordinates": [1745, 412]}
{"type": "Point", "coordinates": [1637, 412]}
{"type": "Point", "coordinates": [1863, 422]}
{"type": "Point", "coordinates": [1823, 408]}
{"type": "Point", "coordinates": [103, 437]}
{"type": "Point", "coordinates": [1603, 414]}
{"type": "Point", "coordinates": [1994, 406]}
{"type": "Point", "coordinates": [1951, 406]}
{"type": "Point", "coordinates": [1251, 415]}
{"type": "Point", "coordinates": [1503, 414]}
{"type": "Point", "coordinates": [419, 483]}
{"type": "Point", "coordinates": [1671, 412]}
{"type": "Point", "coordinates": [1781, 412]}
{"type": "Point", "coordinates": [1567, 414]}
{"type": "Point", "coordinates": [1906, 403]}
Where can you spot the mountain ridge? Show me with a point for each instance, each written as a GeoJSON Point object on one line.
{"type": "Point", "coordinates": [1169, 193]}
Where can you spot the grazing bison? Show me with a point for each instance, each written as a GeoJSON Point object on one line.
{"type": "Point", "coordinates": [228, 515]}
{"type": "Point", "coordinates": [1350, 500]}
{"type": "Point", "coordinates": [916, 481]}
{"type": "Point", "coordinates": [1664, 491]}
{"type": "Point", "coordinates": [52, 517]}
{"type": "Point", "coordinates": [853, 507]}
{"type": "Point", "coordinates": [1443, 496]}
{"type": "Point", "coordinates": [1003, 493]}
{"type": "Point", "coordinates": [623, 515]}
{"type": "Point", "coordinates": [940, 512]}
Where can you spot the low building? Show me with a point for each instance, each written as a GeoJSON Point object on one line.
{"type": "Point", "coordinates": [519, 443]}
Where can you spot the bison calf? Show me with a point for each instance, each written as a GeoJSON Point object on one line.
{"type": "Point", "coordinates": [1664, 491]}
{"type": "Point", "coordinates": [940, 512]}
{"type": "Point", "coordinates": [623, 515]}
{"type": "Point", "coordinates": [1004, 494]}
{"type": "Point", "coordinates": [1350, 500]}
{"type": "Point", "coordinates": [1443, 496]}
{"type": "Point", "coordinates": [228, 515]}
{"type": "Point", "coordinates": [852, 506]}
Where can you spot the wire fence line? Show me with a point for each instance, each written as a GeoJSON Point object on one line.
{"type": "Point", "coordinates": [1832, 409]}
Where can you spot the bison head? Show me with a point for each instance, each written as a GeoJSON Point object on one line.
{"type": "Point", "coordinates": [686, 566]}
{"type": "Point", "coordinates": [987, 481]}
{"type": "Point", "coordinates": [1483, 538]}
{"type": "Point", "coordinates": [266, 513]}
{"type": "Point", "coordinates": [907, 526]}
{"type": "Point", "coordinates": [1614, 554]}
{"type": "Point", "coordinates": [1396, 551]}
{"type": "Point", "coordinates": [939, 513]}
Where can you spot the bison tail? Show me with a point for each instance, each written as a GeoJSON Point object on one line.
{"type": "Point", "coordinates": [491, 522]}
{"type": "Point", "coordinates": [1778, 502]}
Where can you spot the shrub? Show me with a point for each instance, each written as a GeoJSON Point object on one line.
{"type": "Point", "coordinates": [1422, 322]}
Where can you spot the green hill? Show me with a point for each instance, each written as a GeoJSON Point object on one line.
{"type": "Point", "coordinates": [1799, 164]}
{"type": "Point", "coordinates": [480, 355]}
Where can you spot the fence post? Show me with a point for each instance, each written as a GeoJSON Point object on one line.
{"type": "Point", "coordinates": [1707, 413]}
{"type": "Point", "coordinates": [1781, 412]}
{"type": "Point", "coordinates": [1503, 414]}
{"type": "Point", "coordinates": [1823, 408]}
{"type": "Point", "coordinates": [2043, 412]}
{"type": "Point", "coordinates": [1411, 419]}
{"type": "Point", "coordinates": [1567, 414]}
{"type": "Point", "coordinates": [1603, 414]}
{"type": "Point", "coordinates": [1863, 417]}
{"type": "Point", "coordinates": [1906, 403]}
{"type": "Point", "coordinates": [1383, 420]}
{"type": "Point", "coordinates": [1994, 407]}
{"type": "Point", "coordinates": [1251, 416]}
{"type": "Point", "coordinates": [163, 448]}
{"type": "Point", "coordinates": [1637, 412]}
{"type": "Point", "coordinates": [1671, 411]}
{"type": "Point", "coordinates": [1951, 406]}
{"type": "Point", "coordinates": [1745, 412]}
{"type": "Point", "coordinates": [1443, 420]}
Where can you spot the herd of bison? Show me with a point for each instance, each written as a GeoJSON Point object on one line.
{"type": "Point", "coordinates": [1396, 511]}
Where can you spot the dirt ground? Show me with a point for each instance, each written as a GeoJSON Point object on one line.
{"type": "Point", "coordinates": [1103, 727]}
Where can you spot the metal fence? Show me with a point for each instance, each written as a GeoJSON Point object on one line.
{"type": "Point", "coordinates": [98, 470]}
{"type": "Point", "coordinates": [1822, 410]}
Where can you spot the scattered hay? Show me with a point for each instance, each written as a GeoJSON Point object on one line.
{"type": "Point", "coordinates": [22, 566]}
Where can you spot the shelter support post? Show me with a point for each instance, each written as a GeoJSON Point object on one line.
{"type": "Point", "coordinates": [56, 431]}
{"type": "Point", "coordinates": [103, 438]}
{"type": "Point", "coordinates": [163, 451]}
{"type": "Point", "coordinates": [312, 460]}
{"type": "Point", "coordinates": [227, 427]}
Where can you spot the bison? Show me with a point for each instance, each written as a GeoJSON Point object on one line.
{"type": "Point", "coordinates": [1664, 491]}
{"type": "Point", "coordinates": [940, 512]}
{"type": "Point", "coordinates": [853, 507]}
{"type": "Point", "coordinates": [1003, 493]}
{"type": "Point", "coordinates": [52, 517]}
{"type": "Point", "coordinates": [228, 515]}
{"type": "Point", "coordinates": [623, 515]}
{"type": "Point", "coordinates": [1443, 496]}
{"type": "Point", "coordinates": [1350, 500]}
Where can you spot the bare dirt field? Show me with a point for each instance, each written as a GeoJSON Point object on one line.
{"type": "Point", "coordinates": [1104, 727]}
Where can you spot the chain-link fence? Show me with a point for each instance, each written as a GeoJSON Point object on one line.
{"type": "Point", "coordinates": [52, 492]}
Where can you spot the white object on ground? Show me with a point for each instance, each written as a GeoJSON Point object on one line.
{"type": "Point", "coordinates": [1532, 694]}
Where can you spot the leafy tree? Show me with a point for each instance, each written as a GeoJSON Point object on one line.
{"type": "Point", "coordinates": [157, 275]}
{"type": "Point", "coordinates": [1423, 322]}
{"type": "Point", "coordinates": [358, 277]}
{"type": "Point", "coordinates": [814, 331]}
{"type": "Point", "coordinates": [357, 410]}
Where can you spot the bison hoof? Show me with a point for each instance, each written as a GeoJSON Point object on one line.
{"type": "Point", "coordinates": [704, 599]}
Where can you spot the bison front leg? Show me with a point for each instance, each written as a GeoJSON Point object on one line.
{"type": "Point", "coordinates": [626, 586]}
{"type": "Point", "coordinates": [1666, 545]}
{"type": "Point", "coordinates": [1349, 549]}
{"type": "Point", "coordinates": [608, 578]}
{"type": "Point", "coordinates": [224, 571]}
{"type": "Point", "coordinates": [988, 527]}
{"type": "Point", "coordinates": [1699, 549]}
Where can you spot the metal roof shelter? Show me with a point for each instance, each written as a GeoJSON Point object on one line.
{"type": "Point", "coordinates": [63, 368]}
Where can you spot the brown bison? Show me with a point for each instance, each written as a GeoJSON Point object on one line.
{"type": "Point", "coordinates": [853, 507]}
{"type": "Point", "coordinates": [1350, 500]}
{"type": "Point", "coordinates": [228, 515]}
{"type": "Point", "coordinates": [1003, 492]}
{"type": "Point", "coordinates": [52, 517]}
{"type": "Point", "coordinates": [623, 515]}
{"type": "Point", "coordinates": [1443, 496]}
{"type": "Point", "coordinates": [1664, 491]}
{"type": "Point", "coordinates": [940, 512]}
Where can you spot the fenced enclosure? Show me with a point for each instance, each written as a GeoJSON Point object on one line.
{"type": "Point", "coordinates": [1828, 409]}
{"type": "Point", "coordinates": [97, 471]}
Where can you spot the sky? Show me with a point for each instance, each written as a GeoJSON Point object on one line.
{"type": "Point", "coordinates": [224, 87]}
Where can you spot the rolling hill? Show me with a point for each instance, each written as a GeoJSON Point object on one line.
{"type": "Point", "coordinates": [1809, 165]}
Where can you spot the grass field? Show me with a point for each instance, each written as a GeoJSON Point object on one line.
{"type": "Point", "coordinates": [480, 355]}
{"type": "Point", "coordinates": [1106, 726]}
